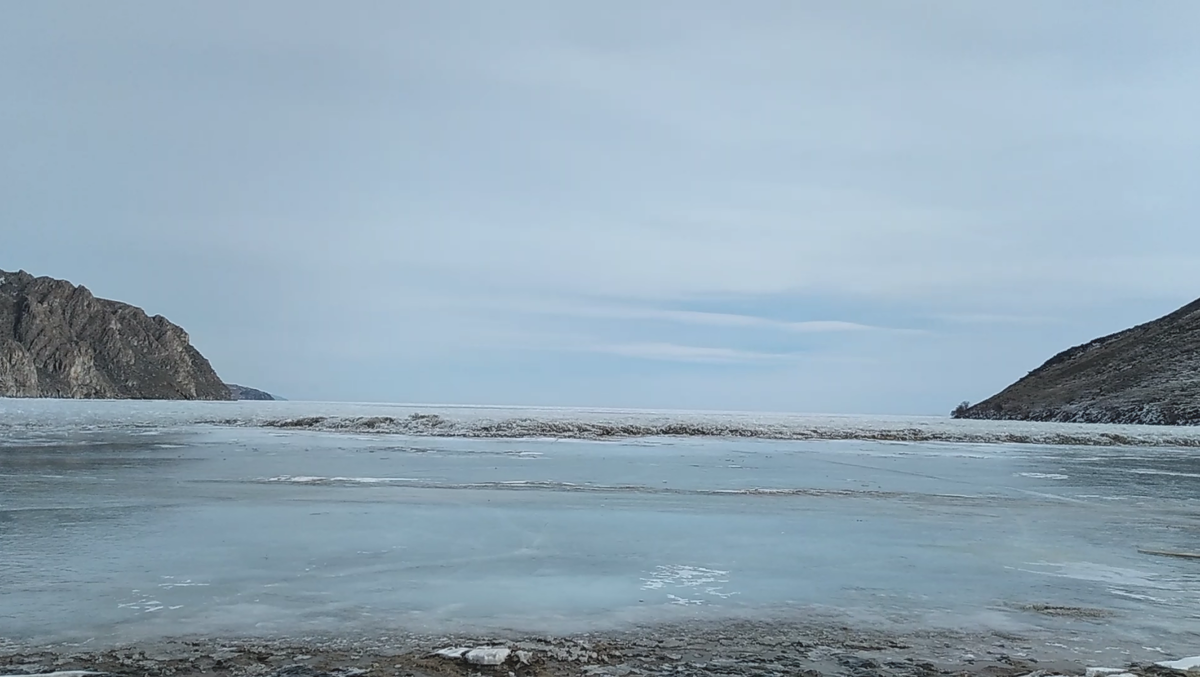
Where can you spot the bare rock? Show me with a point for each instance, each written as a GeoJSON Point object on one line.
{"type": "Point", "coordinates": [58, 340]}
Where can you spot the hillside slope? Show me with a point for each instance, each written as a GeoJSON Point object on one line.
{"type": "Point", "coordinates": [1148, 374]}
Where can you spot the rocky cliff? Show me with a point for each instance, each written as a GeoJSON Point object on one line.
{"type": "Point", "coordinates": [57, 340]}
{"type": "Point", "coordinates": [1147, 374]}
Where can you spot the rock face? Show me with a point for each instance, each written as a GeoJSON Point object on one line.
{"type": "Point", "coordinates": [1147, 374]}
{"type": "Point", "coordinates": [238, 392]}
{"type": "Point", "coordinates": [57, 340]}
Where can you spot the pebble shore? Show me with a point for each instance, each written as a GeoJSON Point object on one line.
{"type": "Point", "coordinates": [741, 649]}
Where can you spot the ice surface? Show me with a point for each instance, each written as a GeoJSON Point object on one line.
{"type": "Point", "coordinates": [1150, 471]}
{"type": "Point", "coordinates": [1100, 573]}
{"type": "Point", "coordinates": [681, 577]}
{"type": "Point", "coordinates": [335, 480]}
{"type": "Point", "coordinates": [121, 520]}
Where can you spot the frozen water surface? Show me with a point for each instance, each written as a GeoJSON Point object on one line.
{"type": "Point", "coordinates": [126, 520]}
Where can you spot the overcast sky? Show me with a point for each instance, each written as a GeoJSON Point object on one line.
{"type": "Point", "coordinates": [877, 207]}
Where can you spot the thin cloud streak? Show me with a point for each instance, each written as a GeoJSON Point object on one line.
{"type": "Point", "coordinates": [703, 318]}
{"type": "Point", "coordinates": [728, 320]}
{"type": "Point", "coordinates": [674, 352]}
{"type": "Point", "coordinates": [992, 318]}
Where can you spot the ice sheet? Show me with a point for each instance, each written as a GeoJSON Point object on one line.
{"type": "Point", "coordinates": [121, 520]}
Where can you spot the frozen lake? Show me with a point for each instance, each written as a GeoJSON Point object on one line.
{"type": "Point", "coordinates": [123, 521]}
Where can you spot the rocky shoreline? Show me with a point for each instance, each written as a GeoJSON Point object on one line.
{"type": "Point", "coordinates": [740, 649]}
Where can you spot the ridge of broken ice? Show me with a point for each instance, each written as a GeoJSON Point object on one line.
{"type": "Point", "coordinates": [743, 426]}
{"type": "Point", "coordinates": [34, 418]}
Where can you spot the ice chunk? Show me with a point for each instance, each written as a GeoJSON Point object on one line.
{"type": "Point", "coordinates": [481, 655]}
{"type": "Point", "coordinates": [488, 656]}
{"type": "Point", "coordinates": [1183, 664]}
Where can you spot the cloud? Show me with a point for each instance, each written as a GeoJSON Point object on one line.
{"type": "Point", "coordinates": [993, 318]}
{"type": "Point", "coordinates": [370, 190]}
{"type": "Point", "coordinates": [693, 317]}
{"type": "Point", "coordinates": [672, 352]}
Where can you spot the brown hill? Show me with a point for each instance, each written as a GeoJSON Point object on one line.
{"type": "Point", "coordinates": [1147, 374]}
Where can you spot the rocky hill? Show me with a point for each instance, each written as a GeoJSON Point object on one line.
{"type": "Point", "coordinates": [1147, 374]}
{"type": "Point", "coordinates": [57, 340]}
{"type": "Point", "coordinates": [247, 393]}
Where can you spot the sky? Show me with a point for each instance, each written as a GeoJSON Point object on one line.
{"type": "Point", "coordinates": [836, 207]}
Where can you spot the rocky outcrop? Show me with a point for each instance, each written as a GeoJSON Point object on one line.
{"type": "Point", "coordinates": [1148, 374]}
{"type": "Point", "coordinates": [58, 340]}
{"type": "Point", "coordinates": [238, 392]}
